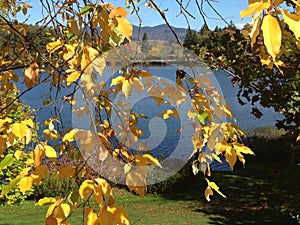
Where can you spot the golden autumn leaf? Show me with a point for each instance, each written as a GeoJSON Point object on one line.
{"type": "Point", "coordinates": [62, 211]}
{"type": "Point", "coordinates": [66, 172]}
{"type": "Point", "coordinates": [272, 35]}
{"type": "Point", "coordinates": [31, 74]}
{"type": "Point", "coordinates": [126, 88]}
{"type": "Point", "coordinates": [91, 217]}
{"type": "Point", "coordinates": [25, 184]}
{"type": "Point", "coordinates": [18, 154]}
{"type": "Point", "coordinates": [208, 192]}
{"type": "Point", "coordinates": [70, 136]}
{"type": "Point", "coordinates": [298, 138]}
{"type": "Point", "coordinates": [120, 216]}
{"type": "Point", "coordinates": [105, 186]}
{"type": "Point", "coordinates": [86, 62]}
{"type": "Point", "coordinates": [293, 21]}
{"type": "Point", "coordinates": [50, 152]}
{"type": "Point", "coordinates": [19, 129]}
{"type": "Point", "coordinates": [117, 12]}
{"type": "Point", "coordinates": [72, 26]}
{"type": "Point", "coordinates": [230, 155]}
{"type": "Point", "coordinates": [255, 28]}
{"type": "Point", "coordinates": [38, 154]}
{"type": "Point", "coordinates": [215, 187]}
{"type": "Point", "coordinates": [117, 80]}
{"type": "Point", "coordinates": [167, 114]}
{"type": "Point", "coordinates": [124, 27]}
{"type": "Point", "coordinates": [151, 160]}
{"type": "Point", "coordinates": [41, 170]}
{"type": "Point", "coordinates": [137, 84]}
{"type": "Point", "coordinates": [255, 7]}
{"type": "Point", "coordinates": [72, 77]}
{"type": "Point", "coordinates": [86, 188]}
{"type": "Point", "coordinates": [50, 220]}
{"type": "Point", "coordinates": [242, 148]}
{"type": "Point", "coordinates": [99, 64]}
{"type": "Point", "coordinates": [54, 46]}
{"type": "Point", "coordinates": [136, 182]}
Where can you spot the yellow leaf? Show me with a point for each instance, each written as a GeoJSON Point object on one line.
{"type": "Point", "coordinates": [105, 186]}
{"type": "Point", "coordinates": [86, 62]}
{"type": "Point", "coordinates": [147, 159]}
{"type": "Point", "coordinates": [136, 182]}
{"type": "Point", "coordinates": [137, 84]}
{"type": "Point", "coordinates": [25, 184]}
{"type": "Point", "coordinates": [66, 172]}
{"type": "Point", "coordinates": [71, 50]}
{"type": "Point", "coordinates": [19, 129]}
{"type": "Point", "coordinates": [124, 27]}
{"type": "Point", "coordinates": [230, 156]}
{"type": "Point", "coordinates": [298, 138]}
{"type": "Point", "coordinates": [73, 27]}
{"type": "Point", "coordinates": [120, 216]}
{"type": "Point", "coordinates": [72, 77]}
{"type": "Point", "coordinates": [18, 154]}
{"type": "Point", "coordinates": [99, 64]}
{"type": "Point", "coordinates": [50, 152]}
{"type": "Point", "coordinates": [50, 220]}
{"type": "Point", "coordinates": [192, 113]}
{"type": "Point", "coordinates": [228, 112]}
{"type": "Point", "coordinates": [91, 217]}
{"type": "Point", "coordinates": [126, 88]}
{"type": "Point", "coordinates": [255, 7]}
{"type": "Point", "coordinates": [242, 148]}
{"type": "Point", "coordinates": [54, 46]}
{"type": "Point", "coordinates": [117, 80]}
{"type": "Point", "coordinates": [167, 114]}
{"type": "Point", "coordinates": [3, 145]}
{"type": "Point", "coordinates": [272, 35]}
{"type": "Point", "coordinates": [86, 188]}
{"type": "Point", "coordinates": [293, 21]}
{"type": "Point", "coordinates": [62, 211]}
{"type": "Point", "coordinates": [215, 187]}
{"type": "Point", "coordinates": [117, 12]}
{"type": "Point", "coordinates": [208, 192]}
{"type": "Point", "coordinates": [46, 201]}
{"type": "Point", "coordinates": [255, 28]}
{"type": "Point", "coordinates": [28, 122]}
{"type": "Point", "coordinates": [31, 74]}
{"type": "Point", "coordinates": [41, 170]}
{"type": "Point", "coordinates": [38, 154]}
{"type": "Point", "coordinates": [70, 136]}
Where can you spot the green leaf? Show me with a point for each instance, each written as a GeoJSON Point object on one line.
{"type": "Point", "coordinates": [46, 201]}
{"type": "Point", "coordinates": [202, 117]}
{"type": "Point", "coordinates": [10, 186]}
{"type": "Point", "coordinates": [86, 10]}
{"type": "Point", "coordinates": [7, 161]}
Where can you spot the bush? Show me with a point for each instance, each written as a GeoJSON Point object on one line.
{"type": "Point", "coordinates": [53, 186]}
{"type": "Point", "coordinates": [7, 174]}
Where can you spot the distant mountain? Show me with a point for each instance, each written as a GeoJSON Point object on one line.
{"type": "Point", "coordinates": [160, 32]}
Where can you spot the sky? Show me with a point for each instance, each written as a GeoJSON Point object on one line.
{"type": "Point", "coordinates": [229, 9]}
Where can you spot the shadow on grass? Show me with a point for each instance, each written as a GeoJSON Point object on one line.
{"type": "Point", "coordinates": [255, 195]}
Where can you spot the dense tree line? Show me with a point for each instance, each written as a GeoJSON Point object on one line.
{"type": "Point", "coordinates": [230, 49]}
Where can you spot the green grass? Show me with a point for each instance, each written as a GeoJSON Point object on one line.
{"type": "Point", "coordinates": [153, 209]}
{"type": "Point", "coordinates": [265, 192]}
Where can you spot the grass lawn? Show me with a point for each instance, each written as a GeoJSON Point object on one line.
{"type": "Point", "coordinates": [255, 195]}
{"type": "Point", "coordinates": [153, 209]}
{"type": "Point", "coordinates": [265, 192]}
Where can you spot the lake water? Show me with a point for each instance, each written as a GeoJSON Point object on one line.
{"type": "Point", "coordinates": [159, 135]}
